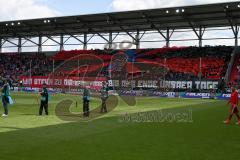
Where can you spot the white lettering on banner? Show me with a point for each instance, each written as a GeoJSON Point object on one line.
{"type": "Point", "coordinates": [155, 84]}
{"type": "Point", "coordinates": [189, 85]}
{"type": "Point", "coordinates": [171, 94]}
{"type": "Point", "coordinates": [58, 82]}
{"type": "Point", "coordinates": [27, 81]}
{"type": "Point", "coordinates": [96, 83]}
{"type": "Point", "coordinates": [139, 84]}
{"type": "Point", "coordinates": [172, 84]}
{"type": "Point", "coordinates": [228, 96]}
{"type": "Point", "coordinates": [179, 84]}
{"type": "Point", "coordinates": [145, 83]}
{"type": "Point", "coordinates": [184, 84]}
{"type": "Point", "coordinates": [164, 84]}
{"type": "Point", "coordinates": [215, 85]}
{"type": "Point", "coordinates": [209, 84]}
{"type": "Point", "coordinates": [76, 83]}
{"type": "Point", "coordinates": [127, 83]}
{"type": "Point", "coordinates": [133, 83]}
{"type": "Point", "coordinates": [198, 94]}
{"type": "Point", "coordinates": [197, 83]}
{"type": "Point", "coordinates": [203, 85]}
{"type": "Point", "coordinates": [110, 83]}
{"type": "Point", "coordinates": [116, 83]}
{"type": "Point", "coordinates": [206, 84]}
{"type": "Point", "coordinates": [37, 81]}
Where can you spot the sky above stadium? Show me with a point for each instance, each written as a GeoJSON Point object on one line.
{"type": "Point", "coordinates": [26, 9]}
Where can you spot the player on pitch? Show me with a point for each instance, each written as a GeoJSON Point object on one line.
{"type": "Point", "coordinates": [5, 97]}
{"type": "Point", "coordinates": [104, 97]}
{"type": "Point", "coordinates": [86, 100]}
{"type": "Point", "coordinates": [44, 100]}
{"type": "Point", "coordinates": [234, 106]}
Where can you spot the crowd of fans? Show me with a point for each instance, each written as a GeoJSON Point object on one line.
{"type": "Point", "coordinates": [35, 64]}
{"type": "Point", "coordinates": [13, 65]}
{"type": "Point", "coordinates": [205, 70]}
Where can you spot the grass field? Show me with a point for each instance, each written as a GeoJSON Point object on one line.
{"type": "Point", "coordinates": [26, 136]}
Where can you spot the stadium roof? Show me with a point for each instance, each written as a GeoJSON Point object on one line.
{"type": "Point", "coordinates": [211, 15]}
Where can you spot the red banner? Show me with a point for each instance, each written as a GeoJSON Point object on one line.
{"type": "Point", "coordinates": [60, 82]}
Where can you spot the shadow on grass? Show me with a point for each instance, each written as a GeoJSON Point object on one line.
{"type": "Point", "coordinates": [62, 110]}
{"type": "Point", "coordinates": [15, 128]}
{"type": "Point", "coordinates": [108, 139]}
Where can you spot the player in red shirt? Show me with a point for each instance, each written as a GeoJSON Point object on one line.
{"type": "Point", "coordinates": [234, 106]}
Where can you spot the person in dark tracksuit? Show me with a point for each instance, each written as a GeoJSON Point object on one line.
{"type": "Point", "coordinates": [5, 100]}
{"type": "Point", "coordinates": [86, 100]}
{"type": "Point", "coordinates": [104, 97]}
{"type": "Point", "coordinates": [44, 100]}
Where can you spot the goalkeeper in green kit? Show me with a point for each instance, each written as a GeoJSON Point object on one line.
{"type": "Point", "coordinates": [44, 100]}
{"type": "Point", "coordinates": [104, 97]}
{"type": "Point", "coordinates": [5, 97]}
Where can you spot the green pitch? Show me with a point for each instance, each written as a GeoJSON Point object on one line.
{"type": "Point", "coordinates": [26, 136]}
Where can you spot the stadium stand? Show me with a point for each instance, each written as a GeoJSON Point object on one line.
{"type": "Point", "coordinates": [181, 63]}
{"type": "Point", "coordinates": [13, 65]}
{"type": "Point", "coordinates": [235, 73]}
{"type": "Point", "coordinates": [185, 63]}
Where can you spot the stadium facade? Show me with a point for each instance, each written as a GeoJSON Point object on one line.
{"type": "Point", "coordinates": [201, 66]}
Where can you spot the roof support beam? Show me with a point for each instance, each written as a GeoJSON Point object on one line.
{"type": "Point", "coordinates": [235, 29]}
{"type": "Point", "coordinates": [99, 34]}
{"type": "Point", "coordinates": [142, 35]}
{"type": "Point", "coordinates": [110, 41]}
{"type": "Point", "coordinates": [40, 44]}
{"type": "Point", "coordinates": [114, 21]}
{"type": "Point", "coordinates": [23, 43]}
{"type": "Point", "coordinates": [71, 36]}
{"type": "Point", "coordinates": [75, 37]}
{"type": "Point", "coordinates": [161, 33]}
{"type": "Point", "coordinates": [234, 26]}
{"type": "Point", "coordinates": [49, 37]}
{"type": "Point", "coordinates": [19, 45]}
{"type": "Point", "coordinates": [199, 31]}
{"type": "Point", "coordinates": [85, 42]}
{"type": "Point", "coordinates": [153, 25]}
{"type": "Point", "coordinates": [27, 39]}
{"type": "Point", "coordinates": [110, 44]}
{"type": "Point", "coordinates": [116, 36]}
{"type": "Point", "coordinates": [169, 36]}
{"type": "Point", "coordinates": [61, 42]}
{"type": "Point", "coordinates": [88, 40]}
{"type": "Point", "coordinates": [129, 34]}
{"type": "Point", "coordinates": [138, 38]}
{"type": "Point", "coordinates": [103, 37]}
{"type": "Point", "coordinates": [137, 42]}
{"type": "Point", "coordinates": [9, 41]}
{"type": "Point", "coordinates": [66, 40]}
{"type": "Point", "coordinates": [236, 35]}
{"type": "Point", "coordinates": [44, 41]}
{"type": "Point", "coordinates": [1, 43]}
